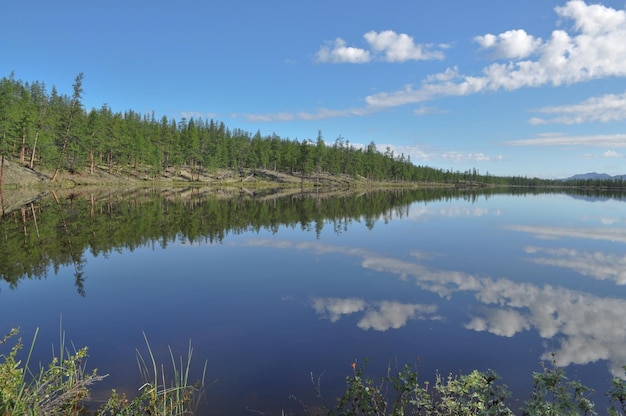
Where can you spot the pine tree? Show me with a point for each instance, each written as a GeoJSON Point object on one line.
{"type": "Point", "coordinates": [74, 111]}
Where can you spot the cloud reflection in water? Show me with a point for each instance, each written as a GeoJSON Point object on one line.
{"type": "Point", "coordinates": [597, 265]}
{"type": "Point", "coordinates": [379, 316]}
{"type": "Point", "coordinates": [586, 327]}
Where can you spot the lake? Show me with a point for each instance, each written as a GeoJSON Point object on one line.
{"type": "Point", "coordinates": [276, 290]}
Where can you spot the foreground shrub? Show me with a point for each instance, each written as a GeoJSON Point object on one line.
{"type": "Point", "coordinates": [477, 393]}
{"type": "Point", "coordinates": [555, 395]}
{"type": "Point", "coordinates": [474, 394]}
{"type": "Point", "coordinates": [63, 387]}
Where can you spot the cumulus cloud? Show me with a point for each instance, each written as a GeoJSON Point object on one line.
{"type": "Point", "coordinates": [593, 19]}
{"type": "Point", "coordinates": [388, 314]}
{"type": "Point", "coordinates": [387, 45]}
{"type": "Point", "coordinates": [511, 44]}
{"type": "Point", "coordinates": [379, 316]}
{"type": "Point", "coordinates": [594, 49]}
{"type": "Point", "coordinates": [400, 47]}
{"type": "Point", "coordinates": [335, 308]}
{"type": "Point", "coordinates": [584, 323]}
{"type": "Point", "coordinates": [502, 322]}
{"type": "Point", "coordinates": [337, 52]}
{"type": "Point", "coordinates": [590, 47]}
{"type": "Point", "coordinates": [605, 108]}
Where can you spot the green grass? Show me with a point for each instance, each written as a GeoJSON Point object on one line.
{"type": "Point", "coordinates": [60, 388]}
{"type": "Point", "coordinates": [63, 387]}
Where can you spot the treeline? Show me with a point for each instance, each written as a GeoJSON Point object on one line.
{"type": "Point", "coordinates": [53, 131]}
{"type": "Point", "coordinates": [47, 130]}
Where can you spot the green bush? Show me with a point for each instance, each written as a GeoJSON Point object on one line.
{"type": "Point", "coordinates": [474, 394]}
{"type": "Point", "coordinates": [477, 393]}
{"type": "Point", "coordinates": [63, 387]}
{"type": "Point", "coordinates": [555, 395]}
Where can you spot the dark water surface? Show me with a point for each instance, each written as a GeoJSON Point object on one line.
{"type": "Point", "coordinates": [271, 290]}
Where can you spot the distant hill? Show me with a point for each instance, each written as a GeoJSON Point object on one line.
{"type": "Point", "coordinates": [594, 176]}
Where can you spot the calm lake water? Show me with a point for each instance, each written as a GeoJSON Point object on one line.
{"type": "Point", "coordinates": [273, 290]}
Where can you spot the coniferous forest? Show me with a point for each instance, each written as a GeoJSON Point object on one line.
{"type": "Point", "coordinates": [48, 130]}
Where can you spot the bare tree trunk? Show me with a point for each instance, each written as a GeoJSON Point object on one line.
{"type": "Point", "coordinates": [1, 171]}
{"type": "Point", "coordinates": [23, 209]}
{"type": "Point", "coordinates": [32, 208]}
{"type": "Point", "coordinates": [1, 181]}
{"type": "Point", "coordinates": [32, 156]}
{"type": "Point", "coordinates": [23, 148]}
{"type": "Point", "coordinates": [92, 161]}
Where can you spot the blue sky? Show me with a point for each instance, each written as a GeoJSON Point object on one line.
{"type": "Point", "coordinates": [534, 88]}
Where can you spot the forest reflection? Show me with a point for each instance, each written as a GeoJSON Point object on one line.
{"type": "Point", "coordinates": [56, 229]}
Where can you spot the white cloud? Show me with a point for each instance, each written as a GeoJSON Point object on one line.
{"type": "Point", "coordinates": [465, 157]}
{"type": "Point", "coordinates": [597, 265]}
{"type": "Point", "coordinates": [335, 308]}
{"type": "Point", "coordinates": [198, 115]}
{"type": "Point", "coordinates": [320, 114]}
{"type": "Point", "coordinates": [449, 82]}
{"type": "Point", "coordinates": [399, 47]}
{"type": "Point", "coordinates": [606, 108]}
{"type": "Point", "coordinates": [338, 52]}
{"type": "Point", "coordinates": [581, 325]}
{"type": "Point", "coordinates": [423, 154]}
{"type": "Point", "coordinates": [593, 19]}
{"type": "Point", "coordinates": [415, 152]}
{"type": "Point", "coordinates": [510, 44]}
{"type": "Point", "coordinates": [596, 50]}
{"type": "Point", "coordinates": [387, 314]}
{"type": "Point", "coordinates": [424, 110]}
{"type": "Point", "coordinates": [269, 117]}
{"type": "Point", "coordinates": [502, 322]}
{"type": "Point", "coordinates": [379, 316]}
{"type": "Point", "coordinates": [617, 235]}
{"type": "Point", "coordinates": [609, 154]}
{"type": "Point", "coordinates": [387, 45]}
{"type": "Point", "coordinates": [593, 48]}
{"type": "Point", "coordinates": [600, 140]}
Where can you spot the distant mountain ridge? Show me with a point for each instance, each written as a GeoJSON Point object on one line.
{"type": "Point", "coordinates": [595, 176]}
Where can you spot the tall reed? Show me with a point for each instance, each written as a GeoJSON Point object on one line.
{"type": "Point", "coordinates": [61, 388]}
{"type": "Point", "coordinates": [163, 393]}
